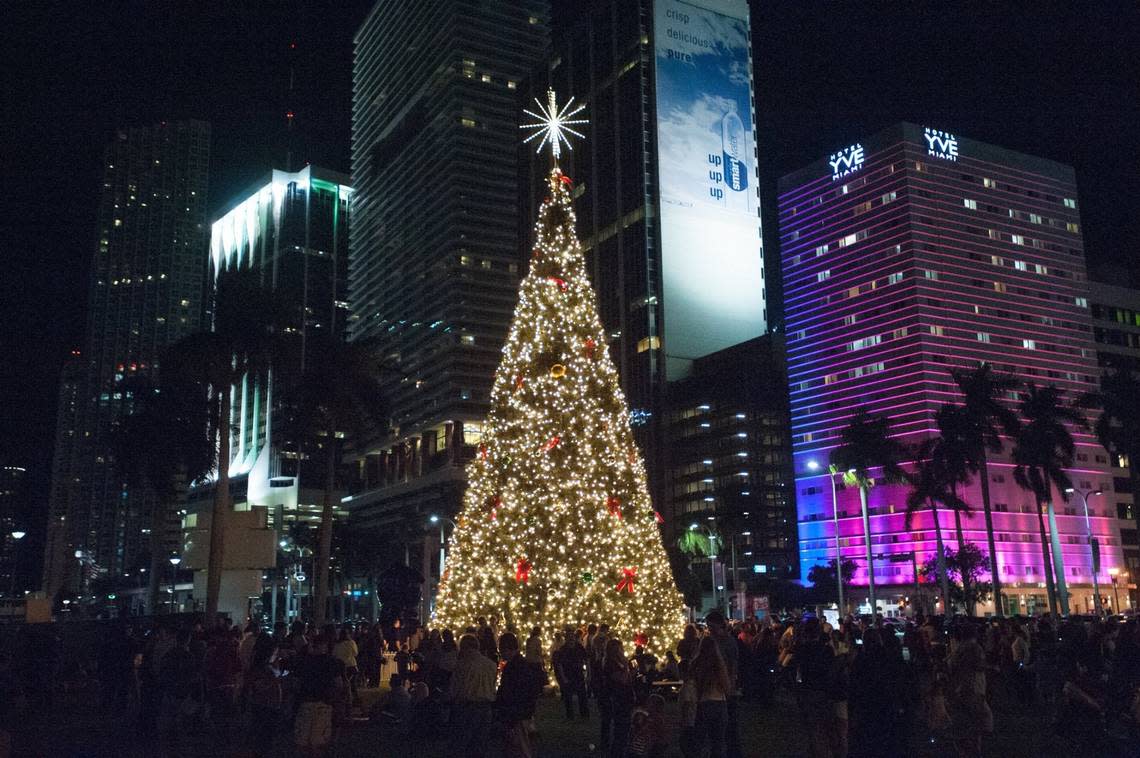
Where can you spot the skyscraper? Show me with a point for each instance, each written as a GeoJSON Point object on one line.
{"type": "Point", "coordinates": [434, 245]}
{"type": "Point", "coordinates": [668, 214]}
{"type": "Point", "coordinates": [906, 254]}
{"type": "Point", "coordinates": [145, 292]}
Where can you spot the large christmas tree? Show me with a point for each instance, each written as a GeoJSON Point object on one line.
{"type": "Point", "coordinates": [557, 526]}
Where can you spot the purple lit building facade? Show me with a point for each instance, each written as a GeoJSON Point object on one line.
{"type": "Point", "coordinates": [907, 254]}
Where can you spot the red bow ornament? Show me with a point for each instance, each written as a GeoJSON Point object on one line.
{"type": "Point", "coordinates": [629, 576]}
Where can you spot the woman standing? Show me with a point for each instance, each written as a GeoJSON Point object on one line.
{"type": "Point", "coordinates": [712, 687]}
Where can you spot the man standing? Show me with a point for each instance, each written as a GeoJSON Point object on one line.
{"type": "Point", "coordinates": [519, 690]}
{"type": "Point", "coordinates": [569, 663]}
{"type": "Point", "coordinates": [727, 645]}
{"type": "Point", "coordinates": [472, 691]}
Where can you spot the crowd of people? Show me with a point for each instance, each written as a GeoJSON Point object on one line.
{"type": "Point", "coordinates": [860, 687]}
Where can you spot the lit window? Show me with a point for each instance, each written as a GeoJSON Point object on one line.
{"type": "Point", "coordinates": [983, 337]}
{"type": "Point", "coordinates": [931, 275]}
{"type": "Point", "coordinates": [997, 260]}
{"type": "Point", "coordinates": [895, 278]}
{"type": "Point", "coordinates": [937, 331]}
{"type": "Point", "coordinates": [1081, 302]}
{"type": "Point", "coordinates": [532, 20]}
{"type": "Point", "coordinates": [467, 339]}
{"type": "Point", "coordinates": [865, 342]}
{"type": "Point", "coordinates": [1029, 344]}
{"type": "Point", "coordinates": [648, 343]}
{"type": "Point", "coordinates": [862, 208]}
{"type": "Point", "coordinates": [1038, 268]}
{"type": "Point", "coordinates": [993, 234]}
{"type": "Point", "coordinates": [185, 303]}
{"type": "Point", "coordinates": [468, 122]}
{"type": "Point", "coordinates": [1034, 218]}
{"type": "Point", "coordinates": [486, 78]}
{"type": "Point", "coordinates": [849, 320]}
{"type": "Point", "coordinates": [919, 167]}
{"type": "Point", "coordinates": [512, 84]}
{"type": "Point", "coordinates": [1021, 265]}
{"type": "Point", "coordinates": [988, 183]}
{"type": "Point", "coordinates": [821, 250]}
{"type": "Point", "coordinates": [1071, 227]}
{"type": "Point", "coordinates": [971, 204]}
{"type": "Point", "coordinates": [1069, 202]}
{"type": "Point", "coordinates": [1017, 239]}
{"type": "Point", "coordinates": [485, 263]}
{"type": "Point", "coordinates": [890, 197]}
{"type": "Point", "coordinates": [999, 287]}
{"type": "Point", "coordinates": [823, 276]}
{"type": "Point", "coordinates": [465, 260]}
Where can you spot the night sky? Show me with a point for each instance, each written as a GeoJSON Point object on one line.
{"type": "Point", "coordinates": [1048, 79]}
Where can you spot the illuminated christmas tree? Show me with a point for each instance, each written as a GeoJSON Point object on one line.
{"type": "Point", "coordinates": [557, 526]}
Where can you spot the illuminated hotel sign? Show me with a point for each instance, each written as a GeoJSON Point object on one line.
{"type": "Point", "coordinates": [846, 161]}
{"type": "Point", "coordinates": [941, 144]}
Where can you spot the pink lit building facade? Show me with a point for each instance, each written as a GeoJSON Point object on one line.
{"type": "Point", "coordinates": [907, 254]}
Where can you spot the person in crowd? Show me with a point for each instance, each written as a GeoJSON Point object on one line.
{"type": "Point", "coordinates": [569, 662]}
{"type": "Point", "coordinates": [181, 685]}
{"type": "Point", "coordinates": [248, 640]}
{"type": "Point", "coordinates": [471, 692]}
{"type": "Point", "coordinates": [971, 714]}
{"type": "Point", "coordinates": [688, 644]}
{"type": "Point", "coordinates": [519, 689]}
{"type": "Point", "coordinates": [346, 651]}
{"type": "Point", "coordinates": [712, 685]}
{"type": "Point", "coordinates": [263, 696]}
{"type": "Point", "coordinates": [321, 694]}
{"type": "Point", "coordinates": [534, 647]}
{"type": "Point", "coordinates": [729, 648]}
{"type": "Point", "coordinates": [687, 704]}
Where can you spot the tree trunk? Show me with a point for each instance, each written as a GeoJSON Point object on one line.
{"type": "Point", "coordinates": [1048, 563]}
{"type": "Point", "coordinates": [324, 536]}
{"type": "Point", "coordinates": [870, 557]}
{"type": "Point", "coordinates": [984, 474]}
{"type": "Point", "coordinates": [943, 577]}
{"type": "Point", "coordinates": [220, 511]}
{"type": "Point", "coordinates": [1058, 558]}
{"type": "Point", "coordinates": [967, 592]}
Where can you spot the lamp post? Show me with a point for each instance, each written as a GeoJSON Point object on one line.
{"type": "Point", "coordinates": [443, 521]}
{"type": "Point", "coordinates": [813, 465]}
{"type": "Point", "coordinates": [1094, 546]}
{"type": "Point", "coordinates": [17, 535]}
{"type": "Point", "coordinates": [174, 561]}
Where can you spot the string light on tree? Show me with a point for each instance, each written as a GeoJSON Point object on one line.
{"type": "Point", "coordinates": [557, 526]}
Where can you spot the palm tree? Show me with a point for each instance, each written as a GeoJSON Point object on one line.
{"type": "Point", "coordinates": [337, 390]}
{"type": "Point", "coordinates": [1043, 450]}
{"type": "Point", "coordinates": [159, 447]}
{"type": "Point", "coordinates": [246, 338]}
{"type": "Point", "coordinates": [1118, 425]}
{"type": "Point", "coordinates": [987, 419]}
{"type": "Point", "coordinates": [935, 482]}
{"type": "Point", "coordinates": [866, 444]}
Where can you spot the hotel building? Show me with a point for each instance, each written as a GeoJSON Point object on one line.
{"type": "Point", "coordinates": [908, 253]}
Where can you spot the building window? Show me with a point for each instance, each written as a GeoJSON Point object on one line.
{"type": "Point", "coordinates": [988, 183]}
{"type": "Point", "coordinates": [999, 287]}
{"type": "Point", "coordinates": [864, 342]}
{"type": "Point", "coordinates": [895, 278]}
{"type": "Point", "coordinates": [820, 250]}
{"type": "Point", "coordinates": [971, 204]}
{"type": "Point", "coordinates": [1069, 202]}
{"type": "Point", "coordinates": [890, 197]}
{"type": "Point", "coordinates": [862, 208]}
{"type": "Point", "coordinates": [512, 84]}
{"type": "Point", "coordinates": [984, 337]}
{"type": "Point", "coordinates": [850, 320]}
{"type": "Point", "coordinates": [1017, 239]}
{"type": "Point", "coordinates": [1029, 344]}
{"type": "Point", "coordinates": [648, 343]}
{"type": "Point", "coordinates": [486, 78]}
{"type": "Point", "coordinates": [1071, 227]}
{"type": "Point", "coordinates": [997, 260]}
{"type": "Point", "coordinates": [1021, 265]}
{"type": "Point", "coordinates": [1037, 267]}
{"type": "Point", "coordinates": [467, 339]}
{"type": "Point", "coordinates": [937, 331]}
{"type": "Point", "coordinates": [823, 276]}
{"type": "Point", "coordinates": [1034, 218]}
{"type": "Point", "coordinates": [993, 234]}
{"type": "Point", "coordinates": [468, 122]}
{"type": "Point", "coordinates": [1081, 302]}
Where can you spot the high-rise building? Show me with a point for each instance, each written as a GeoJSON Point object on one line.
{"type": "Point", "coordinates": [904, 255]}
{"type": "Point", "coordinates": [730, 453]}
{"type": "Point", "coordinates": [13, 529]}
{"type": "Point", "coordinates": [434, 245]}
{"type": "Point", "coordinates": [292, 229]}
{"type": "Point", "coordinates": [1116, 329]}
{"type": "Point", "coordinates": [145, 292]}
{"type": "Point", "coordinates": [668, 210]}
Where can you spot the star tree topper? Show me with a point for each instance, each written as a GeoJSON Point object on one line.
{"type": "Point", "coordinates": [552, 123]}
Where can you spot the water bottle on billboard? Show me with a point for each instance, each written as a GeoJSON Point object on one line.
{"type": "Point", "coordinates": [734, 146]}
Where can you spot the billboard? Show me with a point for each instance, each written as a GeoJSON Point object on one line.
{"type": "Point", "coordinates": [711, 250]}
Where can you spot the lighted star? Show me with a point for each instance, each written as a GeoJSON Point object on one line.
{"type": "Point", "coordinates": [552, 123]}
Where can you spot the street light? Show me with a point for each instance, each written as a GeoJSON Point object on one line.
{"type": "Point", "coordinates": [174, 561]}
{"type": "Point", "coordinates": [813, 465]}
{"type": "Point", "coordinates": [1094, 545]}
{"type": "Point", "coordinates": [442, 520]}
{"type": "Point", "coordinates": [17, 535]}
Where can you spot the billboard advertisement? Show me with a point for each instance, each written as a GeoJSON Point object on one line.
{"type": "Point", "coordinates": [711, 249]}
